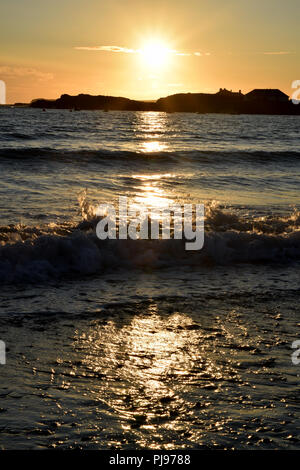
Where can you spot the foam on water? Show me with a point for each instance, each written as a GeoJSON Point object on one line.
{"type": "Point", "coordinates": [37, 253]}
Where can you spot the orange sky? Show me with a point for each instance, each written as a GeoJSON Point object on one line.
{"type": "Point", "coordinates": [100, 47]}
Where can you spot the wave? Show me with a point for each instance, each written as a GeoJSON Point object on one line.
{"type": "Point", "coordinates": [209, 156]}
{"type": "Point", "coordinates": [18, 136]}
{"type": "Point", "coordinates": [37, 254]}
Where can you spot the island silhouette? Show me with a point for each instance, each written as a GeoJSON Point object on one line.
{"type": "Point", "coordinates": [258, 101]}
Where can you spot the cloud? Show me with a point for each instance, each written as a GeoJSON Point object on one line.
{"type": "Point", "coordinates": [278, 53]}
{"type": "Point", "coordinates": [188, 54]}
{"type": "Point", "coordinates": [126, 50]}
{"type": "Point", "coordinates": [201, 54]}
{"type": "Point", "coordinates": [24, 72]}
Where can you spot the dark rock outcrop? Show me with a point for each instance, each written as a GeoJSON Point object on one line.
{"type": "Point", "coordinates": [228, 102]}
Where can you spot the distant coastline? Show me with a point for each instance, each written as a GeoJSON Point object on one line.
{"type": "Point", "coordinates": [259, 101]}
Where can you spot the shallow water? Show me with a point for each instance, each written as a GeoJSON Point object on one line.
{"type": "Point", "coordinates": [189, 371]}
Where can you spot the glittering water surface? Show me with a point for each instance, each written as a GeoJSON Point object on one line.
{"type": "Point", "coordinates": [141, 344]}
{"type": "Point", "coordinates": [166, 373]}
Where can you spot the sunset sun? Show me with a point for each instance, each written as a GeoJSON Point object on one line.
{"type": "Point", "coordinates": [155, 54]}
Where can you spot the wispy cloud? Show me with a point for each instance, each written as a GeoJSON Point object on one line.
{"type": "Point", "coordinates": [126, 50]}
{"type": "Point", "coordinates": [183, 54]}
{"type": "Point", "coordinates": [200, 54]}
{"type": "Point", "coordinates": [9, 71]}
{"type": "Point", "coordinates": [278, 53]}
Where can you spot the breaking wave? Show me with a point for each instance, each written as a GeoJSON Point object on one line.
{"type": "Point", "coordinates": [39, 253]}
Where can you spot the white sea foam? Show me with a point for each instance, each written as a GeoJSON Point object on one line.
{"type": "Point", "coordinates": [40, 253]}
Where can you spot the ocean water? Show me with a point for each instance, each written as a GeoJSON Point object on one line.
{"type": "Point", "coordinates": [141, 344]}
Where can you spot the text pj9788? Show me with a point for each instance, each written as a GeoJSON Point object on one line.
{"type": "Point", "coordinates": [171, 459]}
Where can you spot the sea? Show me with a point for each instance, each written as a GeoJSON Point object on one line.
{"type": "Point", "coordinates": [142, 344]}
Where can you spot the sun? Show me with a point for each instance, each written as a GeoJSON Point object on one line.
{"type": "Point", "coordinates": [155, 54]}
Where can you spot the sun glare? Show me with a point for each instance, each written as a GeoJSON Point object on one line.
{"type": "Point", "coordinates": [155, 54]}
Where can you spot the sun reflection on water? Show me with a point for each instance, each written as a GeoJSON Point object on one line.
{"type": "Point", "coordinates": [152, 147]}
{"type": "Point", "coordinates": [151, 128]}
{"type": "Point", "coordinates": [146, 362]}
{"type": "Point", "coordinates": [150, 195]}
